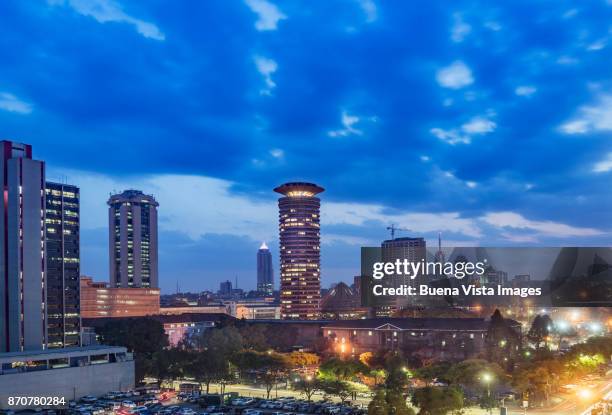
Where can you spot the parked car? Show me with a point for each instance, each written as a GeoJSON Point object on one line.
{"type": "Point", "coordinates": [89, 399]}
{"type": "Point", "coordinates": [128, 404]}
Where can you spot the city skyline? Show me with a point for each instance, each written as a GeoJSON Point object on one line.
{"type": "Point", "coordinates": [469, 130]}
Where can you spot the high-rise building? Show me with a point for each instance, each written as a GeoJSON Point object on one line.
{"type": "Point", "coordinates": [132, 220]}
{"type": "Point", "coordinates": [23, 309]}
{"type": "Point", "coordinates": [300, 264]}
{"type": "Point", "coordinates": [411, 249]}
{"type": "Point", "coordinates": [63, 265]}
{"type": "Point", "coordinates": [265, 281]}
{"type": "Point", "coordinates": [225, 288]}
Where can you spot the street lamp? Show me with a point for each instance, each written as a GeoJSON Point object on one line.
{"type": "Point", "coordinates": [487, 378]}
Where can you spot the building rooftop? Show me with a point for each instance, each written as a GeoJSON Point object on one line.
{"type": "Point", "coordinates": [471, 324]}
{"type": "Point", "coordinates": [39, 354]}
{"type": "Point", "coordinates": [299, 189]}
{"type": "Point", "coordinates": [132, 195]}
{"type": "Point", "coordinates": [164, 318]}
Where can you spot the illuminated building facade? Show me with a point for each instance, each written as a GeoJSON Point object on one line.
{"type": "Point", "coordinates": [300, 265]}
{"type": "Point", "coordinates": [426, 338]}
{"type": "Point", "coordinates": [265, 281]}
{"type": "Point", "coordinates": [98, 300]}
{"type": "Point", "coordinates": [23, 309]}
{"type": "Point", "coordinates": [63, 267]}
{"type": "Point", "coordinates": [132, 224]}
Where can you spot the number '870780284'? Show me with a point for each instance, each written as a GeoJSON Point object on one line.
{"type": "Point", "coordinates": [36, 401]}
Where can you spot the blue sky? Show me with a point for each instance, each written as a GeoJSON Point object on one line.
{"type": "Point", "coordinates": [491, 123]}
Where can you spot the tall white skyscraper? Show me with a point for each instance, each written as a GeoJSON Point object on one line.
{"type": "Point", "coordinates": [23, 308]}
{"type": "Point", "coordinates": [132, 223]}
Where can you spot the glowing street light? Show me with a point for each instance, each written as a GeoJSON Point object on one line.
{"type": "Point", "coordinates": [584, 394]}
{"type": "Point", "coordinates": [487, 378]}
{"type": "Point", "coordinates": [595, 327]}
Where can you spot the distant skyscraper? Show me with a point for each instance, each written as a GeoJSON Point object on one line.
{"type": "Point", "coordinates": [265, 278]}
{"type": "Point", "coordinates": [63, 265]}
{"type": "Point", "coordinates": [225, 288]}
{"type": "Point", "coordinates": [23, 310]}
{"type": "Point", "coordinates": [132, 219]}
{"type": "Point", "coordinates": [300, 267]}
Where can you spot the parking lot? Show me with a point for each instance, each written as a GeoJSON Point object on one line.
{"type": "Point", "coordinates": [169, 403]}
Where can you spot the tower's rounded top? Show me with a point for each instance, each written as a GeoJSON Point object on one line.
{"type": "Point", "coordinates": [299, 189]}
{"type": "Point", "coordinates": [263, 246]}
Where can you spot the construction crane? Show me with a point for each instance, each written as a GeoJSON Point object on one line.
{"type": "Point", "coordinates": [393, 228]}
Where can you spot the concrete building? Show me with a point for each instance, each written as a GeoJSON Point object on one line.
{"type": "Point", "coordinates": [63, 265]}
{"type": "Point", "coordinates": [98, 300]}
{"type": "Point", "coordinates": [300, 244]}
{"type": "Point", "coordinates": [411, 249]}
{"type": "Point", "coordinates": [23, 286]}
{"type": "Point", "coordinates": [69, 373]}
{"type": "Point", "coordinates": [225, 288]}
{"type": "Point", "coordinates": [257, 311]}
{"type": "Point", "coordinates": [132, 220]}
{"type": "Point", "coordinates": [265, 275]}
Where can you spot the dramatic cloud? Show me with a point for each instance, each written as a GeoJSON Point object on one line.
{"type": "Point", "coordinates": [514, 220]}
{"type": "Point", "coordinates": [455, 76]}
{"type": "Point", "coordinates": [105, 11]}
{"type": "Point", "coordinates": [9, 102]}
{"type": "Point", "coordinates": [268, 14]}
{"type": "Point", "coordinates": [427, 117]}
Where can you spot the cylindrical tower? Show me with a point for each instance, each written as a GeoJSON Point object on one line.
{"type": "Point", "coordinates": [300, 262]}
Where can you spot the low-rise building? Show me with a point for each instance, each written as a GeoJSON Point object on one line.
{"type": "Point", "coordinates": [98, 300]}
{"type": "Point", "coordinates": [427, 338]}
{"type": "Point", "coordinates": [69, 373]}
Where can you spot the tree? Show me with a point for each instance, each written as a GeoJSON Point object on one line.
{"type": "Point", "coordinates": [502, 342]}
{"type": "Point", "coordinates": [397, 404]}
{"type": "Point", "coordinates": [432, 372]}
{"type": "Point", "coordinates": [437, 401]}
{"type": "Point", "coordinates": [270, 366]}
{"type": "Point", "coordinates": [207, 366]}
{"type": "Point", "coordinates": [168, 364]}
{"type": "Point", "coordinates": [307, 386]}
{"type": "Point", "coordinates": [342, 389]}
{"type": "Point", "coordinates": [469, 373]}
{"type": "Point", "coordinates": [338, 369]}
{"type": "Point", "coordinates": [225, 341]}
{"type": "Point", "coordinates": [143, 336]}
{"type": "Point", "coordinates": [378, 405]}
{"type": "Point", "coordinates": [541, 327]}
{"type": "Point", "coordinates": [303, 359]}
{"type": "Point", "coordinates": [254, 337]}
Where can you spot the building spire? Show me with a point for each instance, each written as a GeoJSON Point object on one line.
{"type": "Point", "coordinates": [263, 246]}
